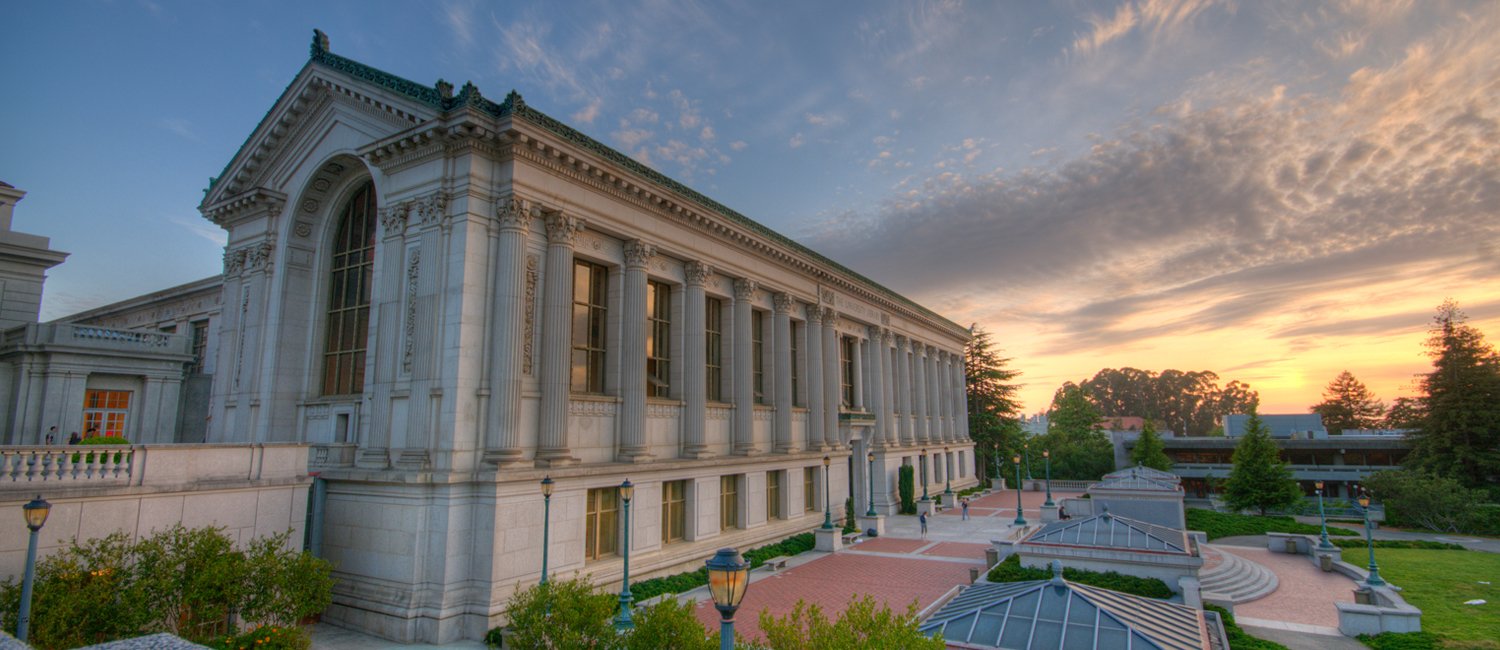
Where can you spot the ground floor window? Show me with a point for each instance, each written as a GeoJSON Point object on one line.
{"type": "Point", "coordinates": [104, 412]}
{"type": "Point", "coordinates": [773, 495]}
{"type": "Point", "coordinates": [602, 531]}
{"type": "Point", "coordinates": [809, 498]}
{"type": "Point", "coordinates": [729, 502]}
{"type": "Point", "coordinates": [673, 511]}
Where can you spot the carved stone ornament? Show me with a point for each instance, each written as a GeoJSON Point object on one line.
{"type": "Point", "coordinates": [432, 207]}
{"type": "Point", "coordinates": [638, 254]}
{"type": "Point", "coordinates": [830, 315]}
{"type": "Point", "coordinates": [393, 218]}
{"type": "Point", "coordinates": [885, 319]}
{"type": "Point", "coordinates": [784, 303]}
{"type": "Point", "coordinates": [697, 272]}
{"type": "Point", "coordinates": [258, 256]}
{"type": "Point", "coordinates": [744, 289]}
{"type": "Point", "coordinates": [528, 333]}
{"type": "Point", "coordinates": [814, 316]}
{"type": "Point", "coordinates": [827, 295]}
{"type": "Point", "coordinates": [902, 343]}
{"type": "Point", "coordinates": [413, 273]}
{"type": "Point", "coordinates": [302, 229]}
{"type": "Point", "coordinates": [514, 214]}
{"type": "Point", "coordinates": [310, 206]}
{"type": "Point", "coordinates": [563, 229]}
{"type": "Point", "coordinates": [234, 262]}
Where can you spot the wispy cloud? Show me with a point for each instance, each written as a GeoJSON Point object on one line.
{"type": "Point", "coordinates": [179, 127]}
{"type": "Point", "coordinates": [1158, 19]}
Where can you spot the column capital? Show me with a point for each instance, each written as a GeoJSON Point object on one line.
{"type": "Point", "coordinates": [563, 229]}
{"type": "Point", "coordinates": [814, 315]}
{"type": "Point", "coordinates": [784, 303]}
{"type": "Point", "coordinates": [902, 343]}
{"type": "Point", "coordinates": [830, 315]}
{"type": "Point", "coordinates": [393, 218]}
{"type": "Point", "coordinates": [873, 332]}
{"type": "Point", "coordinates": [744, 288]}
{"type": "Point", "coordinates": [697, 273]}
{"type": "Point", "coordinates": [514, 214]}
{"type": "Point", "coordinates": [638, 254]}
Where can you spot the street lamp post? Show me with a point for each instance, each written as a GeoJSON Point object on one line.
{"type": "Point", "coordinates": [35, 513]}
{"type": "Point", "coordinates": [1020, 521]}
{"type": "Point", "coordinates": [1374, 579]}
{"type": "Point", "coordinates": [623, 620]}
{"type": "Point", "coordinates": [827, 509]}
{"type": "Point", "coordinates": [728, 578]}
{"type": "Point", "coordinates": [947, 475]}
{"type": "Point", "coordinates": [1047, 456]}
{"type": "Point", "coordinates": [1323, 543]}
{"type": "Point", "coordinates": [546, 520]}
{"type": "Point", "coordinates": [1026, 455]}
{"type": "Point", "coordinates": [924, 474]}
{"type": "Point", "coordinates": [870, 458]}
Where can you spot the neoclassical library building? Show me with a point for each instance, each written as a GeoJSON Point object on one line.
{"type": "Point", "coordinates": [449, 298]}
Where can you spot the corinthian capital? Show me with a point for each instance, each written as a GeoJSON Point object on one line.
{"type": "Point", "coordinates": [563, 229]}
{"type": "Point", "coordinates": [814, 316]}
{"type": "Point", "coordinates": [393, 218]}
{"type": "Point", "coordinates": [697, 273]}
{"type": "Point", "coordinates": [638, 253]}
{"type": "Point", "coordinates": [744, 289]}
{"type": "Point", "coordinates": [515, 214]}
{"type": "Point", "coordinates": [830, 316]}
{"type": "Point", "coordinates": [784, 303]}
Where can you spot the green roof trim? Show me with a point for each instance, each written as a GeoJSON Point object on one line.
{"type": "Point", "coordinates": [515, 107]}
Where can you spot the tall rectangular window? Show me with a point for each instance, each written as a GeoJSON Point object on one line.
{"type": "Point", "coordinates": [809, 481]}
{"type": "Point", "coordinates": [714, 339]}
{"type": "Point", "coordinates": [673, 511]}
{"type": "Point", "coordinates": [658, 339]}
{"type": "Point", "coordinates": [758, 355]}
{"type": "Point", "coordinates": [773, 495]}
{"type": "Point", "coordinates": [104, 412]}
{"type": "Point", "coordinates": [796, 366]}
{"type": "Point", "coordinates": [846, 368]}
{"type": "Point", "coordinates": [729, 502]}
{"type": "Point", "coordinates": [200, 346]}
{"type": "Point", "coordinates": [601, 531]}
{"type": "Point", "coordinates": [350, 273]}
{"type": "Point", "coordinates": [589, 311]}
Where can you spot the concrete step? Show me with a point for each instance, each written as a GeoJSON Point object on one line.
{"type": "Point", "coordinates": [1237, 579]}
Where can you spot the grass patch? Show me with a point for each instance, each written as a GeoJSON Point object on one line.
{"type": "Point", "coordinates": [1402, 641]}
{"type": "Point", "coordinates": [1238, 638]}
{"type": "Point", "coordinates": [1226, 524]}
{"type": "Point", "coordinates": [1011, 571]}
{"type": "Point", "coordinates": [1438, 582]}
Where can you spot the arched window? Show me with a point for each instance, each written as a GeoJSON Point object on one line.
{"type": "Point", "coordinates": [349, 295]}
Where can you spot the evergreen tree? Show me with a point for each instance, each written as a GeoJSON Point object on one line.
{"type": "Point", "coordinates": [1459, 431]}
{"type": "Point", "coordinates": [1080, 449]}
{"type": "Point", "coordinates": [1149, 450]}
{"type": "Point", "coordinates": [1405, 413]}
{"type": "Point", "coordinates": [994, 410]}
{"type": "Point", "coordinates": [1347, 405]}
{"type": "Point", "coordinates": [1259, 480]}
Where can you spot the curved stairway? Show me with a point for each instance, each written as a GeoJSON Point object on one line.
{"type": "Point", "coordinates": [1233, 578]}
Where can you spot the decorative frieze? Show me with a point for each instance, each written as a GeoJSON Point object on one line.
{"type": "Point", "coordinates": [529, 331]}
{"type": "Point", "coordinates": [409, 332]}
{"type": "Point", "coordinates": [593, 407]}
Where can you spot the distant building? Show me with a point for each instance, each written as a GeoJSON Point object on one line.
{"type": "Point", "coordinates": [1303, 426]}
{"type": "Point", "coordinates": [1339, 461]}
{"type": "Point", "coordinates": [1034, 425]}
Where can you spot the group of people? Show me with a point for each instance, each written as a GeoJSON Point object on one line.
{"type": "Point", "coordinates": [73, 438]}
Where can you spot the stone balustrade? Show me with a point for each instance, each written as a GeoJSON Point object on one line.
{"type": "Point", "coordinates": [89, 336]}
{"type": "Point", "coordinates": [27, 468]}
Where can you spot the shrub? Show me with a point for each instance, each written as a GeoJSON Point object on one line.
{"type": "Point", "coordinates": [1011, 571]}
{"type": "Point", "coordinates": [1433, 502]}
{"type": "Point", "coordinates": [849, 525]}
{"type": "Point", "coordinates": [266, 638]}
{"type": "Point", "coordinates": [567, 613]}
{"type": "Point", "coordinates": [100, 440]}
{"type": "Point", "coordinates": [1401, 641]}
{"type": "Point", "coordinates": [668, 624]}
{"type": "Point", "coordinates": [862, 625]}
{"type": "Point", "coordinates": [906, 484]}
{"type": "Point", "coordinates": [680, 582]}
{"type": "Point", "coordinates": [1238, 639]}
{"type": "Point", "coordinates": [1226, 524]}
{"type": "Point", "coordinates": [1399, 543]}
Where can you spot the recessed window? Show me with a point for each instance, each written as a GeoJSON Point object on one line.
{"type": "Point", "coordinates": [758, 355]}
{"type": "Point", "coordinates": [349, 295]}
{"type": "Point", "coordinates": [658, 339]}
{"type": "Point", "coordinates": [729, 502]}
{"type": "Point", "coordinates": [602, 533]}
{"type": "Point", "coordinates": [673, 511]}
{"type": "Point", "coordinates": [104, 412]}
{"type": "Point", "coordinates": [846, 366]}
{"type": "Point", "coordinates": [809, 481]}
{"type": "Point", "coordinates": [773, 495]}
{"type": "Point", "coordinates": [793, 331]}
{"type": "Point", "coordinates": [714, 357]}
{"type": "Point", "coordinates": [589, 311]}
{"type": "Point", "coordinates": [200, 346]}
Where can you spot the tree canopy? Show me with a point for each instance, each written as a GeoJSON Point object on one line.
{"type": "Point", "coordinates": [1259, 480]}
{"type": "Point", "coordinates": [1080, 449]}
{"type": "Point", "coordinates": [1348, 405]}
{"type": "Point", "coordinates": [991, 393]}
{"type": "Point", "coordinates": [1458, 434]}
{"type": "Point", "coordinates": [1149, 450]}
{"type": "Point", "coordinates": [1189, 403]}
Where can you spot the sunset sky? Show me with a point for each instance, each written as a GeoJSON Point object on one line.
{"type": "Point", "coordinates": [1274, 191]}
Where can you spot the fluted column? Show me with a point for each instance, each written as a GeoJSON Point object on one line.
{"type": "Point", "coordinates": [632, 444]}
{"type": "Point", "coordinates": [960, 399]}
{"type": "Point", "coordinates": [744, 373]}
{"type": "Point", "coordinates": [694, 361]}
{"type": "Point", "coordinates": [831, 438]}
{"type": "Point", "coordinates": [919, 391]}
{"type": "Point", "coordinates": [946, 430]}
{"type": "Point", "coordinates": [934, 406]}
{"type": "Point", "coordinates": [903, 388]}
{"type": "Point", "coordinates": [503, 438]}
{"type": "Point", "coordinates": [859, 376]}
{"type": "Point", "coordinates": [950, 433]}
{"type": "Point", "coordinates": [877, 386]}
{"type": "Point", "coordinates": [557, 340]}
{"type": "Point", "coordinates": [815, 387]}
{"type": "Point", "coordinates": [783, 351]}
{"type": "Point", "coordinates": [888, 387]}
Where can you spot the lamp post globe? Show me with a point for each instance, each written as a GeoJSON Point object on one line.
{"type": "Point", "coordinates": [1020, 520]}
{"type": "Point", "coordinates": [728, 579]}
{"type": "Point", "coordinates": [1364, 503]}
{"type": "Point", "coordinates": [1323, 543]}
{"type": "Point", "coordinates": [870, 458]}
{"type": "Point", "coordinates": [35, 513]}
{"type": "Point", "coordinates": [827, 507]}
{"type": "Point", "coordinates": [547, 484]}
{"type": "Point", "coordinates": [1047, 455]}
{"type": "Point", "coordinates": [623, 620]}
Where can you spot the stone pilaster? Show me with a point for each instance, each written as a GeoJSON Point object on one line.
{"type": "Point", "coordinates": [694, 361]}
{"type": "Point", "coordinates": [892, 433]}
{"type": "Point", "coordinates": [557, 340]}
{"type": "Point", "coordinates": [744, 372]}
{"type": "Point", "coordinates": [782, 340]}
{"type": "Point", "coordinates": [502, 440]}
{"type": "Point", "coordinates": [903, 388]}
{"type": "Point", "coordinates": [830, 380]}
{"type": "Point", "coordinates": [950, 429]}
{"type": "Point", "coordinates": [919, 392]}
{"type": "Point", "coordinates": [935, 404]}
{"type": "Point", "coordinates": [859, 376]}
{"type": "Point", "coordinates": [960, 399]}
{"type": "Point", "coordinates": [877, 387]}
{"type": "Point", "coordinates": [815, 385]}
{"type": "Point", "coordinates": [632, 427]}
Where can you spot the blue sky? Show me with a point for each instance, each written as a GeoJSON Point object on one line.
{"type": "Point", "coordinates": [1275, 191]}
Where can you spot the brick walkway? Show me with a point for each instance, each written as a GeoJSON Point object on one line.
{"type": "Point", "coordinates": [958, 549]}
{"type": "Point", "coordinates": [1305, 594]}
{"type": "Point", "coordinates": [890, 545]}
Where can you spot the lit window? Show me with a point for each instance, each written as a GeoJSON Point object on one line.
{"type": "Point", "coordinates": [602, 532]}
{"type": "Point", "coordinates": [349, 296]}
{"type": "Point", "coordinates": [758, 355]}
{"type": "Point", "coordinates": [714, 337]}
{"type": "Point", "coordinates": [729, 502]}
{"type": "Point", "coordinates": [809, 498]}
{"type": "Point", "coordinates": [589, 291]}
{"type": "Point", "coordinates": [104, 412]}
{"type": "Point", "coordinates": [673, 511]}
{"type": "Point", "coordinates": [658, 339]}
{"type": "Point", "coordinates": [773, 495]}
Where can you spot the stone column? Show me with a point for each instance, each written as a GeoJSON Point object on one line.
{"type": "Point", "coordinates": [557, 341]}
{"type": "Point", "coordinates": [859, 376]}
{"type": "Point", "coordinates": [888, 387]}
{"type": "Point", "coordinates": [783, 351]}
{"type": "Point", "coordinates": [934, 407]}
{"type": "Point", "coordinates": [831, 383]}
{"type": "Point", "coordinates": [744, 372]}
{"type": "Point", "coordinates": [940, 394]}
{"type": "Point", "coordinates": [903, 388]}
{"type": "Point", "coordinates": [876, 352]}
{"type": "Point", "coordinates": [950, 432]}
{"type": "Point", "coordinates": [960, 400]}
{"type": "Point", "coordinates": [816, 390]}
{"type": "Point", "coordinates": [919, 391]}
{"type": "Point", "coordinates": [694, 361]}
{"type": "Point", "coordinates": [503, 437]}
{"type": "Point", "coordinates": [632, 444]}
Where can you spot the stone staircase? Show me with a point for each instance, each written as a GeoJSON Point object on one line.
{"type": "Point", "coordinates": [1233, 578]}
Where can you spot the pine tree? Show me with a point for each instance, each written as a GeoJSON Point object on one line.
{"type": "Point", "coordinates": [1459, 431]}
{"type": "Point", "coordinates": [1080, 449]}
{"type": "Point", "coordinates": [1347, 404]}
{"type": "Point", "coordinates": [994, 409]}
{"type": "Point", "coordinates": [1259, 480]}
{"type": "Point", "coordinates": [1149, 450]}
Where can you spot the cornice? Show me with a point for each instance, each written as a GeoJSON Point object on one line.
{"type": "Point", "coordinates": [248, 203]}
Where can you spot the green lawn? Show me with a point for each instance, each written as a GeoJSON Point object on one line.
{"type": "Point", "coordinates": [1438, 582]}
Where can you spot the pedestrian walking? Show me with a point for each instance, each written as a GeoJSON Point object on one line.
{"type": "Point", "coordinates": [52, 436]}
{"type": "Point", "coordinates": [922, 519]}
{"type": "Point", "coordinates": [965, 504]}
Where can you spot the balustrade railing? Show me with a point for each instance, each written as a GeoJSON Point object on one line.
{"type": "Point", "coordinates": [73, 464]}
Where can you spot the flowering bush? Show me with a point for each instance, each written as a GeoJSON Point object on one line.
{"type": "Point", "coordinates": [265, 637]}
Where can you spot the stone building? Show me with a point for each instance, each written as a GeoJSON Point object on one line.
{"type": "Point", "coordinates": [452, 297]}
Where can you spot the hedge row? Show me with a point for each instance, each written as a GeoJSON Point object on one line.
{"type": "Point", "coordinates": [1011, 571]}
{"type": "Point", "coordinates": [1399, 543]}
{"type": "Point", "coordinates": [680, 582]}
{"type": "Point", "coordinates": [1228, 524]}
{"type": "Point", "coordinates": [1402, 641]}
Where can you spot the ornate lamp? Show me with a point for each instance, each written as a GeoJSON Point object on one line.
{"type": "Point", "coordinates": [1323, 543]}
{"type": "Point", "coordinates": [870, 458]}
{"type": "Point", "coordinates": [623, 621]}
{"type": "Point", "coordinates": [1020, 520]}
{"type": "Point", "coordinates": [35, 513]}
{"type": "Point", "coordinates": [827, 508]}
{"type": "Point", "coordinates": [546, 520]}
{"type": "Point", "coordinates": [1364, 502]}
{"type": "Point", "coordinates": [728, 579]}
{"type": "Point", "coordinates": [924, 474]}
{"type": "Point", "coordinates": [1047, 455]}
